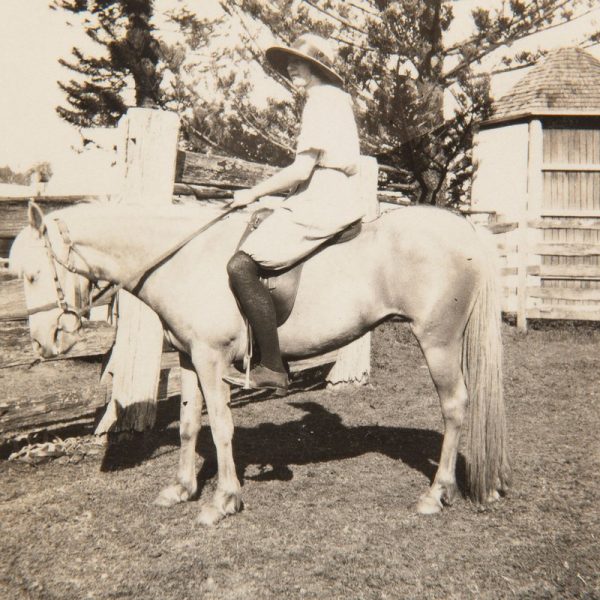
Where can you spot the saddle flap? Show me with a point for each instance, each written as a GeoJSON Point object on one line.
{"type": "Point", "coordinates": [283, 286]}
{"type": "Point", "coordinates": [347, 234]}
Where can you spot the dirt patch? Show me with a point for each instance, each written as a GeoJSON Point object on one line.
{"type": "Point", "coordinates": [330, 480]}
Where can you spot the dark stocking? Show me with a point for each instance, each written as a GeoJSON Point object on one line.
{"type": "Point", "coordinates": [257, 305]}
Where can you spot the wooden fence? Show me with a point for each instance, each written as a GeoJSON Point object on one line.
{"type": "Point", "coordinates": [57, 393]}
{"type": "Point", "coordinates": [550, 265]}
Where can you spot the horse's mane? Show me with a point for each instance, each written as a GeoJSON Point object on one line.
{"type": "Point", "coordinates": [108, 209]}
{"type": "Point", "coordinates": [26, 240]}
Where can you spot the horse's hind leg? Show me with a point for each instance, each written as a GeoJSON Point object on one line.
{"type": "Point", "coordinates": [189, 427]}
{"type": "Point", "coordinates": [210, 366]}
{"type": "Point", "coordinates": [444, 362]}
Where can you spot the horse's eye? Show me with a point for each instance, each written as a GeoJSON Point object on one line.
{"type": "Point", "coordinates": [31, 277]}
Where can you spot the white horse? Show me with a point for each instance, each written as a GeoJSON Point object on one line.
{"type": "Point", "coordinates": [424, 264]}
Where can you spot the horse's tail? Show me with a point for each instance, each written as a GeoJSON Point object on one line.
{"type": "Point", "coordinates": [488, 468]}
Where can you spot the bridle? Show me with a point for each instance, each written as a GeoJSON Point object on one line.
{"type": "Point", "coordinates": [61, 302]}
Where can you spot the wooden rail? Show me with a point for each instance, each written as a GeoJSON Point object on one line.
{"type": "Point", "coordinates": [66, 390]}
{"type": "Point", "coordinates": [12, 299]}
{"type": "Point", "coordinates": [545, 278]}
{"type": "Point", "coordinates": [17, 351]}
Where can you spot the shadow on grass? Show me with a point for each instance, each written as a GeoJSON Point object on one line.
{"type": "Point", "coordinates": [318, 436]}
{"type": "Point", "coordinates": [131, 448]}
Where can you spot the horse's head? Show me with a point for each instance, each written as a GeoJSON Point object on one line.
{"type": "Point", "coordinates": [56, 296]}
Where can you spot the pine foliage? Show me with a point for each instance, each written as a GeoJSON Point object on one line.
{"type": "Point", "coordinates": [392, 53]}
{"type": "Point", "coordinates": [129, 54]}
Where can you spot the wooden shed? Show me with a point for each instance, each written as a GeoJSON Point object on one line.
{"type": "Point", "coordinates": [538, 166]}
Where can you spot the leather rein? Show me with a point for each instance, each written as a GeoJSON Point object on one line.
{"type": "Point", "coordinates": [111, 289]}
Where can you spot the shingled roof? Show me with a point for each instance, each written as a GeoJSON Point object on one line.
{"type": "Point", "coordinates": [567, 82]}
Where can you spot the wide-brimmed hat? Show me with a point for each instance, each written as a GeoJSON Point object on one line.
{"type": "Point", "coordinates": [311, 48]}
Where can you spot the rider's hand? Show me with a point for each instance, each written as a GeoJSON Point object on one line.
{"type": "Point", "coordinates": [242, 198]}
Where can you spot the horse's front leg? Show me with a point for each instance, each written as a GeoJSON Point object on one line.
{"type": "Point", "coordinates": [189, 427]}
{"type": "Point", "coordinates": [227, 500]}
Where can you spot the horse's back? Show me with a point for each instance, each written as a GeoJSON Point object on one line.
{"type": "Point", "coordinates": [434, 227]}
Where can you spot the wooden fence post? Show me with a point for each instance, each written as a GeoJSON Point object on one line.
{"type": "Point", "coordinates": [148, 155]}
{"type": "Point", "coordinates": [530, 211]}
{"type": "Point", "coordinates": [353, 364]}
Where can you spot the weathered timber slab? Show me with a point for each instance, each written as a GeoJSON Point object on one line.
{"type": "Point", "coordinates": [48, 393]}
{"type": "Point", "coordinates": [13, 211]}
{"type": "Point", "coordinates": [12, 300]}
{"type": "Point", "coordinates": [304, 364]}
{"type": "Point", "coordinates": [17, 350]}
{"type": "Point", "coordinates": [5, 274]}
{"type": "Point", "coordinates": [567, 271]}
{"type": "Point", "coordinates": [565, 293]}
{"type": "Point", "coordinates": [566, 249]}
{"type": "Point", "coordinates": [201, 192]}
{"type": "Point", "coordinates": [193, 168]}
{"type": "Point", "coordinates": [391, 197]}
{"type": "Point", "coordinates": [566, 223]}
{"type": "Point", "coordinates": [566, 312]}
{"type": "Point", "coordinates": [502, 227]}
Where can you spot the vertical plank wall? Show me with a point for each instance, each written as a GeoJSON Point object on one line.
{"type": "Point", "coordinates": [570, 216]}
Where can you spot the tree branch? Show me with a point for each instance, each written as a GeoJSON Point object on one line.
{"type": "Point", "coordinates": [335, 17]}
{"type": "Point", "coordinates": [264, 135]}
{"type": "Point", "coordinates": [479, 37]}
{"type": "Point", "coordinates": [508, 38]}
{"type": "Point", "coordinates": [368, 11]}
{"type": "Point", "coordinates": [257, 52]}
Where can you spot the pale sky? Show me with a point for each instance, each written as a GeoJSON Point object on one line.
{"type": "Point", "coordinates": [32, 38]}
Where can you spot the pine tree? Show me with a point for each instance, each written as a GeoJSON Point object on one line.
{"type": "Point", "coordinates": [396, 65]}
{"type": "Point", "coordinates": [211, 88]}
{"type": "Point", "coordinates": [131, 54]}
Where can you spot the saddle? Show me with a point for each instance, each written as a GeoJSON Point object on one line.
{"type": "Point", "coordinates": [283, 285]}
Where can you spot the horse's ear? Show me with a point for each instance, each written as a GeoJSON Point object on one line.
{"type": "Point", "coordinates": [36, 218]}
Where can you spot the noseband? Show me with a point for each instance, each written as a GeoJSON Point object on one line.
{"type": "Point", "coordinates": [61, 301]}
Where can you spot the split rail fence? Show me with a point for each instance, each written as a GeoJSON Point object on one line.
{"type": "Point", "coordinates": [67, 391]}
{"type": "Point", "coordinates": [549, 260]}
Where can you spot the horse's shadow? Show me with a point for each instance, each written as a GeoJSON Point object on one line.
{"type": "Point", "coordinates": [320, 436]}
{"type": "Point", "coordinates": [267, 451]}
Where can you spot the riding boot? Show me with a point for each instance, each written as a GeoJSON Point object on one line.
{"type": "Point", "coordinates": [257, 305]}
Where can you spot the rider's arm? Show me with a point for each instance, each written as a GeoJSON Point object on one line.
{"type": "Point", "coordinates": [289, 177]}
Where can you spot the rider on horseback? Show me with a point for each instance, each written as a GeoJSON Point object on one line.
{"type": "Point", "coordinates": [322, 202]}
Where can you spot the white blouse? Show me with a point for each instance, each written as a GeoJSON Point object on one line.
{"type": "Point", "coordinates": [328, 126]}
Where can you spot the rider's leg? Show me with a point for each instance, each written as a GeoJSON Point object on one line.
{"type": "Point", "coordinates": [281, 241]}
{"type": "Point", "coordinates": [257, 305]}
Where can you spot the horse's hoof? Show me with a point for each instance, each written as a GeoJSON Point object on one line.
{"type": "Point", "coordinates": [449, 494]}
{"type": "Point", "coordinates": [493, 497]}
{"type": "Point", "coordinates": [210, 515]}
{"type": "Point", "coordinates": [428, 505]}
{"type": "Point", "coordinates": [172, 495]}
{"type": "Point", "coordinates": [233, 504]}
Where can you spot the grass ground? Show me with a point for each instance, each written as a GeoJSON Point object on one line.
{"type": "Point", "coordinates": [330, 480]}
